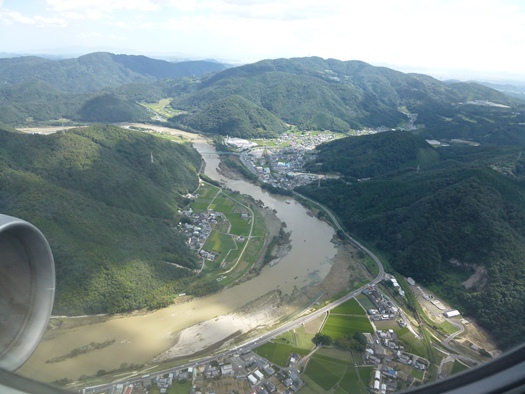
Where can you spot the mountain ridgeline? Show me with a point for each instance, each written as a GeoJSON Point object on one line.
{"type": "Point", "coordinates": [442, 216]}
{"type": "Point", "coordinates": [99, 87]}
{"type": "Point", "coordinates": [99, 70]}
{"type": "Point", "coordinates": [256, 100]}
{"type": "Point", "coordinates": [109, 212]}
{"type": "Point", "coordinates": [328, 94]}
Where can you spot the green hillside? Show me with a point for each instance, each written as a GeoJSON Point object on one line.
{"type": "Point", "coordinates": [108, 211]}
{"type": "Point", "coordinates": [95, 71]}
{"type": "Point", "coordinates": [315, 93]}
{"type": "Point", "coordinates": [302, 100]}
{"type": "Point", "coordinates": [310, 93]}
{"type": "Point", "coordinates": [110, 109]}
{"type": "Point", "coordinates": [373, 155]}
{"type": "Point", "coordinates": [237, 117]}
{"type": "Point", "coordinates": [437, 225]}
{"type": "Point", "coordinates": [35, 101]}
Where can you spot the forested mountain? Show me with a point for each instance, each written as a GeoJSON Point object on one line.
{"type": "Point", "coordinates": [461, 212]}
{"type": "Point", "coordinates": [373, 155]}
{"type": "Point", "coordinates": [257, 99]}
{"type": "Point", "coordinates": [36, 101]}
{"type": "Point", "coordinates": [314, 93]}
{"type": "Point", "coordinates": [237, 117]}
{"type": "Point", "coordinates": [108, 211]}
{"type": "Point", "coordinates": [95, 71]}
{"type": "Point", "coordinates": [100, 87]}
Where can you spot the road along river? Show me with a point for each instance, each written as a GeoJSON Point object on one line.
{"type": "Point", "coordinates": [139, 338]}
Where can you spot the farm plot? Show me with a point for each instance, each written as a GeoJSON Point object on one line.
{"type": "Point", "coordinates": [337, 375]}
{"type": "Point", "coordinates": [325, 373]}
{"type": "Point", "coordinates": [350, 307]}
{"type": "Point", "coordinates": [220, 243]}
{"type": "Point", "coordinates": [206, 195]}
{"type": "Point", "coordinates": [222, 204]}
{"type": "Point", "coordinates": [240, 226]}
{"type": "Point", "coordinates": [338, 326]}
{"type": "Point", "coordinates": [365, 301]}
{"type": "Point", "coordinates": [350, 382]}
{"type": "Point", "coordinates": [278, 353]}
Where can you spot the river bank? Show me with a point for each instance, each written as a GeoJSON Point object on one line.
{"type": "Point", "coordinates": [139, 338]}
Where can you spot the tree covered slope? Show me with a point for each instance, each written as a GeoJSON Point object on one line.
{"type": "Point", "coordinates": [315, 93]}
{"type": "Point", "coordinates": [108, 211]}
{"type": "Point", "coordinates": [462, 212]}
{"type": "Point", "coordinates": [96, 71]}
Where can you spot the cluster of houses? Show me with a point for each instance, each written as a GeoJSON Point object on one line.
{"type": "Point", "coordinates": [279, 168]}
{"type": "Point", "coordinates": [383, 349]}
{"type": "Point", "coordinates": [283, 166]}
{"type": "Point", "coordinates": [385, 309]}
{"type": "Point", "coordinates": [257, 371]}
{"type": "Point", "coordinates": [198, 231]}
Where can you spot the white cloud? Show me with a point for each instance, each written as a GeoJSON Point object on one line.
{"type": "Point", "coordinates": [16, 18]}
{"type": "Point", "coordinates": [430, 33]}
{"type": "Point", "coordinates": [97, 9]}
{"type": "Point", "coordinates": [272, 9]}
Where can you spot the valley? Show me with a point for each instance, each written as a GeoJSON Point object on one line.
{"type": "Point", "coordinates": [176, 252]}
{"type": "Point", "coordinates": [235, 316]}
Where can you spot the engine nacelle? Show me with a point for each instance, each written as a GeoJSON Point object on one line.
{"type": "Point", "coordinates": [27, 290]}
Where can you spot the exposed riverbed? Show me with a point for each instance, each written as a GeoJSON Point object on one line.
{"type": "Point", "coordinates": [140, 338]}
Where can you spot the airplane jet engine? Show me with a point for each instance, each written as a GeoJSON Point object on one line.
{"type": "Point", "coordinates": [27, 290]}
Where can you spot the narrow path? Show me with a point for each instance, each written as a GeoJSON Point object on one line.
{"type": "Point", "coordinates": [248, 238]}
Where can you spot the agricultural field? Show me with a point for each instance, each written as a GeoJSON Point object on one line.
{"type": "Point", "coordinates": [239, 226]}
{"type": "Point", "coordinates": [220, 244]}
{"type": "Point", "coordinates": [418, 374]}
{"type": "Point", "coordinates": [339, 376]}
{"type": "Point", "coordinates": [206, 194]}
{"type": "Point", "coordinates": [302, 339]}
{"type": "Point", "coordinates": [350, 307]}
{"type": "Point", "coordinates": [458, 367]}
{"type": "Point", "coordinates": [279, 353]}
{"type": "Point", "coordinates": [233, 259]}
{"type": "Point", "coordinates": [338, 326]}
{"type": "Point", "coordinates": [221, 203]}
{"type": "Point", "coordinates": [162, 108]}
{"type": "Point", "coordinates": [365, 301]}
{"type": "Point", "coordinates": [415, 345]}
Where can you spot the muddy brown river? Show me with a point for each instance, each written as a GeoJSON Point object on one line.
{"type": "Point", "coordinates": [140, 338]}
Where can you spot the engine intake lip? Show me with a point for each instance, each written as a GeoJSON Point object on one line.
{"type": "Point", "coordinates": [27, 290]}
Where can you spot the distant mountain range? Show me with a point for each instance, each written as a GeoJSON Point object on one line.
{"type": "Point", "coordinates": [96, 71]}
{"type": "Point", "coordinates": [259, 99]}
{"type": "Point", "coordinates": [314, 93]}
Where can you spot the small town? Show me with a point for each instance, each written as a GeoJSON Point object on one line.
{"type": "Point", "coordinates": [387, 362]}
{"type": "Point", "coordinates": [282, 163]}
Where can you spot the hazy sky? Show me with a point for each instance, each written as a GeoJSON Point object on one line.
{"type": "Point", "coordinates": [486, 36]}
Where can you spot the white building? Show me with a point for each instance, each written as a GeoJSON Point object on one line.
{"type": "Point", "coordinates": [452, 313]}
